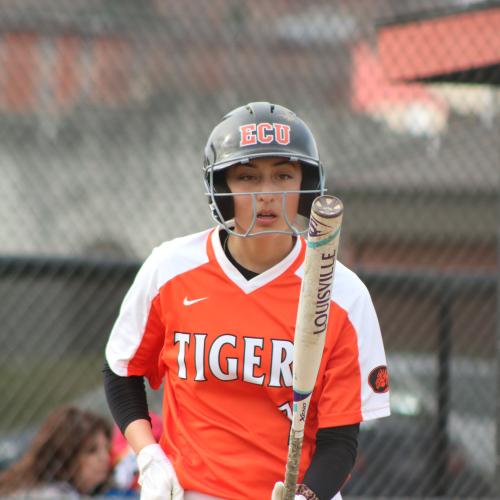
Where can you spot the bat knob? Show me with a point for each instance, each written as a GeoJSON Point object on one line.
{"type": "Point", "coordinates": [327, 206]}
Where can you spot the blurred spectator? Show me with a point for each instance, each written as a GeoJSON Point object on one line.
{"type": "Point", "coordinates": [69, 456]}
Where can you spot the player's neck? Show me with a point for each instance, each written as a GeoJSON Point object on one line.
{"type": "Point", "coordinates": [260, 253]}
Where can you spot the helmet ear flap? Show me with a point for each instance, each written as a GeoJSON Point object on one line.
{"type": "Point", "coordinates": [226, 207]}
{"type": "Point", "coordinates": [225, 204]}
{"type": "Point", "coordinates": [311, 180]}
{"type": "Point", "coordinates": [305, 204]}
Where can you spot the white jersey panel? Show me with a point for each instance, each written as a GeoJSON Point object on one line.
{"type": "Point", "coordinates": [166, 261]}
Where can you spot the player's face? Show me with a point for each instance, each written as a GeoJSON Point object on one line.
{"type": "Point", "coordinates": [94, 463]}
{"type": "Point", "coordinates": [263, 176]}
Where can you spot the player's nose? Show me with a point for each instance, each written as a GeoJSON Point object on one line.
{"type": "Point", "coordinates": [266, 190]}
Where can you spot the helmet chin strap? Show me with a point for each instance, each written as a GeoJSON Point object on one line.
{"type": "Point", "coordinates": [229, 225]}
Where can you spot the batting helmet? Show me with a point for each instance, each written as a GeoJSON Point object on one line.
{"type": "Point", "coordinates": [260, 129]}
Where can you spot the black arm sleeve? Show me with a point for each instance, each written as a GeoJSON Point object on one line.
{"type": "Point", "coordinates": [126, 397]}
{"type": "Point", "coordinates": [333, 460]}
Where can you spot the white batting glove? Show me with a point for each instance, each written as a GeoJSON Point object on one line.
{"type": "Point", "coordinates": [157, 475]}
{"type": "Point", "coordinates": [279, 492]}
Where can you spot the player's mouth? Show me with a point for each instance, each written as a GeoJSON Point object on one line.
{"type": "Point", "coordinates": [266, 217]}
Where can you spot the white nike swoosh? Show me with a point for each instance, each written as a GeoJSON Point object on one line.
{"type": "Point", "coordinates": [188, 302]}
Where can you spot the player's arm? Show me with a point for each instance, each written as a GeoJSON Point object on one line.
{"type": "Point", "coordinates": [332, 462]}
{"type": "Point", "coordinates": [127, 401]}
{"type": "Point", "coordinates": [132, 353]}
{"type": "Point", "coordinates": [133, 349]}
{"type": "Point", "coordinates": [126, 397]}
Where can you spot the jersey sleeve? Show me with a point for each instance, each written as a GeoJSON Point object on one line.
{"type": "Point", "coordinates": [355, 382]}
{"type": "Point", "coordinates": [136, 338]}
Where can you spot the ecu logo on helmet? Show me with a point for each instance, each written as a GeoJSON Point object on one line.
{"type": "Point", "coordinates": [379, 379]}
{"type": "Point", "coordinates": [264, 133]}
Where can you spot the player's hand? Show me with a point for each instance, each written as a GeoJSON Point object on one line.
{"type": "Point", "coordinates": [157, 475]}
{"type": "Point", "coordinates": [279, 492]}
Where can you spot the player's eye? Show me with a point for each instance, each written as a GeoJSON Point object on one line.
{"type": "Point", "coordinates": [246, 177]}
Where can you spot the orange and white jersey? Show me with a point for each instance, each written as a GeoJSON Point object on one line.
{"type": "Point", "coordinates": [224, 347]}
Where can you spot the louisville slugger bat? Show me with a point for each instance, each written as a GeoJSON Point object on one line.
{"type": "Point", "coordinates": [312, 321]}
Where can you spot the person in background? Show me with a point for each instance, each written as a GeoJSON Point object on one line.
{"type": "Point", "coordinates": [69, 456]}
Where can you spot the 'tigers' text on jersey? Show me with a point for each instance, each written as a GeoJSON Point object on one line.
{"type": "Point", "coordinates": [195, 350]}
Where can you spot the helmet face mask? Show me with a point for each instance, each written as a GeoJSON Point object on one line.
{"type": "Point", "coordinates": [254, 131]}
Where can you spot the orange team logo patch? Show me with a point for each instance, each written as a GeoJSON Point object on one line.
{"type": "Point", "coordinates": [379, 379]}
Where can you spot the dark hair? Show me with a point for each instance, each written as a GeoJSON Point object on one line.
{"type": "Point", "coordinates": [54, 452]}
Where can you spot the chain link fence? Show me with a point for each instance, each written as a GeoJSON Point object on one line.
{"type": "Point", "coordinates": [105, 107]}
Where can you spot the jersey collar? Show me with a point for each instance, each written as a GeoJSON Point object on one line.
{"type": "Point", "coordinates": [248, 286]}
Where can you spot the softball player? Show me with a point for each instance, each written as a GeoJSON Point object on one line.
{"type": "Point", "coordinates": [211, 316]}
